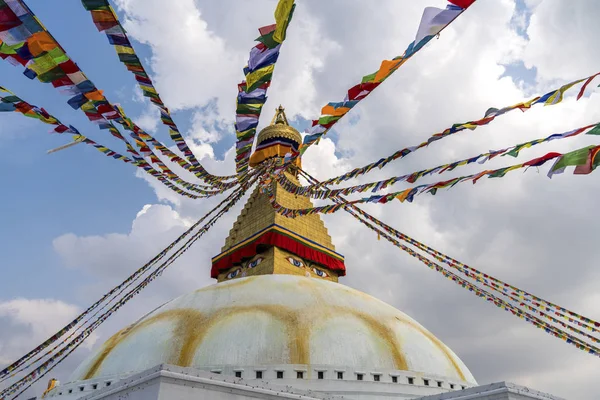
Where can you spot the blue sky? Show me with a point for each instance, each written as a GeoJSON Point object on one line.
{"type": "Point", "coordinates": [77, 190]}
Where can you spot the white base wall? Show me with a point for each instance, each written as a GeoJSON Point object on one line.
{"type": "Point", "coordinates": [166, 382]}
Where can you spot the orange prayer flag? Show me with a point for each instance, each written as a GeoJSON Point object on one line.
{"type": "Point", "coordinates": [403, 195]}
{"type": "Point", "coordinates": [104, 19]}
{"type": "Point", "coordinates": [96, 95]}
{"type": "Point", "coordinates": [387, 67]}
{"type": "Point", "coordinates": [41, 42]}
{"type": "Point", "coordinates": [335, 112]}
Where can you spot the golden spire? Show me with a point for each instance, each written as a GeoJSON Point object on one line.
{"type": "Point", "coordinates": [279, 117]}
{"type": "Point", "coordinates": [261, 240]}
{"type": "Point", "coordinates": [278, 129]}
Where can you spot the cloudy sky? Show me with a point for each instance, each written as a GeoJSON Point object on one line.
{"type": "Point", "coordinates": [75, 223]}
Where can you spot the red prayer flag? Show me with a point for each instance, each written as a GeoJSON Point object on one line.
{"type": "Point", "coordinates": [69, 67]}
{"type": "Point", "coordinates": [265, 30]}
{"type": "Point", "coordinates": [61, 129]}
{"type": "Point", "coordinates": [462, 3]}
{"type": "Point", "coordinates": [355, 91]}
{"type": "Point", "coordinates": [8, 19]}
{"type": "Point", "coordinates": [105, 108]}
{"type": "Point", "coordinates": [585, 85]}
{"type": "Point", "coordinates": [64, 81]}
{"type": "Point", "coordinates": [23, 107]}
{"type": "Point", "coordinates": [536, 162]}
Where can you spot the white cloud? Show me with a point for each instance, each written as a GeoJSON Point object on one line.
{"type": "Point", "coordinates": [35, 320]}
{"type": "Point", "coordinates": [182, 42]}
{"type": "Point", "coordinates": [149, 119]}
{"type": "Point", "coordinates": [560, 43]}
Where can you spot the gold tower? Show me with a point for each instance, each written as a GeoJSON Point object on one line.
{"type": "Point", "coordinates": [264, 242]}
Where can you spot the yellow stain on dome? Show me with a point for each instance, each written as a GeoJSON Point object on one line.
{"type": "Point", "coordinates": [191, 327]}
{"type": "Point", "coordinates": [438, 343]}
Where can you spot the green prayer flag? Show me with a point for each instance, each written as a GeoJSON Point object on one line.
{"type": "Point", "coordinates": [268, 40]}
{"type": "Point", "coordinates": [328, 119]}
{"type": "Point", "coordinates": [11, 99]}
{"type": "Point", "coordinates": [594, 131]}
{"type": "Point", "coordinates": [52, 75]}
{"type": "Point", "coordinates": [577, 157]}
{"type": "Point", "coordinates": [12, 49]}
{"type": "Point", "coordinates": [94, 4]}
{"type": "Point", "coordinates": [253, 109]}
{"type": "Point", "coordinates": [514, 152]}
{"type": "Point", "coordinates": [499, 173]}
{"type": "Point", "coordinates": [369, 78]}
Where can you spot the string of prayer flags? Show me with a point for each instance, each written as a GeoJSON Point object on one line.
{"type": "Point", "coordinates": [21, 364]}
{"type": "Point", "coordinates": [492, 282]}
{"type": "Point", "coordinates": [488, 280]}
{"type": "Point", "coordinates": [166, 180]}
{"type": "Point", "coordinates": [408, 194]}
{"type": "Point", "coordinates": [48, 365]}
{"type": "Point", "coordinates": [11, 102]}
{"type": "Point", "coordinates": [317, 191]}
{"type": "Point", "coordinates": [33, 47]}
{"type": "Point", "coordinates": [433, 21]}
{"type": "Point", "coordinates": [551, 98]}
{"type": "Point", "coordinates": [507, 306]}
{"type": "Point", "coordinates": [512, 296]}
{"type": "Point", "coordinates": [106, 20]}
{"type": "Point", "coordinates": [539, 308]}
{"type": "Point", "coordinates": [252, 92]}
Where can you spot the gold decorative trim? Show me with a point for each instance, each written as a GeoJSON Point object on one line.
{"type": "Point", "coordinates": [279, 131]}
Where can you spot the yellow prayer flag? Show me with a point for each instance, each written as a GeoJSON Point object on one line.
{"type": "Point", "coordinates": [42, 64]}
{"type": "Point", "coordinates": [149, 89]}
{"type": "Point", "coordinates": [513, 168]}
{"type": "Point", "coordinates": [255, 76]}
{"type": "Point", "coordinates": [557, 96]}
{"type": "Point", "coordinates": [282, 15]}
{"type": "Point", "coordinates": [124, 50]}
{"type": "Point", "coordinates": [88, 106]}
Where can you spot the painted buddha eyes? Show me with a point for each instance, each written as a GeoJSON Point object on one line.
{"type": "Point", "coordinates": [320, 273]}
{"type": "Point", "coordinates": [238, 271]}
{"type": "Point", "coordinates": [295, 263]}
{"type": "Point", "coordinates": [233, 274]}
{"type": "Point", "coordinates": [300, 264]}
{"type": "Point", "coordinates": [254, 263]}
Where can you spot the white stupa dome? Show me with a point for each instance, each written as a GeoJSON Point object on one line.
{"type": "Point", "coordinates": [275, 320]}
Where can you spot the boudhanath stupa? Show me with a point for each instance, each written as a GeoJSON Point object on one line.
{"type": "Point", "coordinates": [277, 325]}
